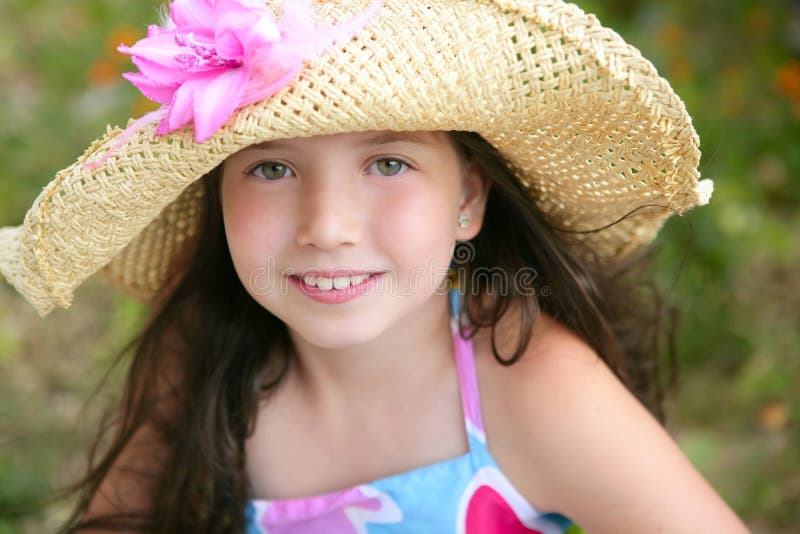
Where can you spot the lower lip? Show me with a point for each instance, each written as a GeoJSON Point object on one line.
{"type": "Point", "coordinates": [335, 296]}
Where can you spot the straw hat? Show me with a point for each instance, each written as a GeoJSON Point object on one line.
{"type": "Point", "coordinates": [585, 122]}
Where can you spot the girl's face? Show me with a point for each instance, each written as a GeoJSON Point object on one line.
{"type": "Point", "coordinates": [339, 207]}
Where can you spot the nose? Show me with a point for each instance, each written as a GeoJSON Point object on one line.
{"type": "Point", "coordinates": [331, 213]}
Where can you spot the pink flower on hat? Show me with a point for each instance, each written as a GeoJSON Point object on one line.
{"type": "Point", "coordinates": [212, 57]}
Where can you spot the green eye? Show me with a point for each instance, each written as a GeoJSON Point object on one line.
{"type": "Point", "coordinates": [389, 167]}
{"type": "Point", "coordinates": [271, 170]}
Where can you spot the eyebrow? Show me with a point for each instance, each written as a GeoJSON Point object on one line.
{"type": "Point", "coordinates": [383, 138]}
{"type": "Point", "coordinates": [380, 138]}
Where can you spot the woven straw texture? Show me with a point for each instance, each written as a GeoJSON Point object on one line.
{"type": "Point", "coordinates": [586, 123]}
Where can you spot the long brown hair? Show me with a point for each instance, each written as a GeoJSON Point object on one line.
{"type": "Point", "coordinates": [226, 353]}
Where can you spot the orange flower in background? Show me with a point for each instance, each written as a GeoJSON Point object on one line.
{"type": "Point", "coordinates": [788, 81]}
{"type": "Point", "coordinates": [670, 34]}
{"type": "Point", "coordinates": [774, 416]}
{"type": "Point", "coordinates": [108, 69]}
{"type": "Point", "coordinates": [103, 72]}
{"type": "Point", "coordinates": [121, 35]}
{"type": "Point", "coordinates": [788, 78]}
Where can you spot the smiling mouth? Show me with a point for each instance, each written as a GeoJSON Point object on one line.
{"type": "Point", "coordinates": [333, 283]}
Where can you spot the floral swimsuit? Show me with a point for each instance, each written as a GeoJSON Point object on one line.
{"type": "Point", "coordinates": [464, 495]}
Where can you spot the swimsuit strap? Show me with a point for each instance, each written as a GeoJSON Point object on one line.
{"type": "Point", "coordinates": [467, 379]}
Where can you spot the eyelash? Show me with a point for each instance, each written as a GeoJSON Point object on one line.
{"type": "Point", "coordinates": [404, 166]}
{"type": "Point", "coordinates": [252, 171]}
{"type": "Point", "coordinates": [258, 166]}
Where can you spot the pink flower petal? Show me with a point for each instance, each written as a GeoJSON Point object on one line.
{"type": "Point", "coordinates": [181, 109]}
{"type": "Point", "coordinates": [268, 83]}
{"type": "Point", "coordinates": [154, 91]}
{"type": "Point", "coordinates": [237, 26]}
{"type": "Point", "coordinates": [307, 41]}
{"type": "Point", "coordinates": [163, 126]}
{"type": "Point", "coordinates": [228, 44]}
{"type": "Point", "coordinates": [154, 30]}
{"type": "Point", "coordinates": [157, 58]}
{"type": "Point", "coordinates": [257, 5]}
{"type": "Point", "coordinates": [216, 56]}
{"type": "Point", "coordinates": [215, 101]}
{"type": "Point", "coordinates": [236, 14]}
{"type": "Point", "coordinates": [192, 13]}
{"type": "Point", "coordinates": [298, 15]}
{"type": "Point", "coordinates": [163, 48]}
{"type": "Point", "coordinates": [160, 48]}
{"type": "Point", "coordinates": [254, 7]}
{"type": "Point", "coordinates": [262, 34]}
{"type": "Point", "coordinates": [160, 74]}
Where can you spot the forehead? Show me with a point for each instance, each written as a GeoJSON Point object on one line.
{"type": "Point", "coordinates": [358, 139]}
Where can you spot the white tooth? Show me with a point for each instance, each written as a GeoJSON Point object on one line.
{"type": "Point", "coordinates": [324, 283]}
{"type": "Point", "coordinates": [341, 282]}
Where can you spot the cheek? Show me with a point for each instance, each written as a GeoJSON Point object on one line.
{"type": "Point", "coordinates": [419, 227]}
{"type": "Point", "coordinates": [252, 229]}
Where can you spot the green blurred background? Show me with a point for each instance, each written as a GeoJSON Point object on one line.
{"type": "Point", "coordinates": [736, 64]}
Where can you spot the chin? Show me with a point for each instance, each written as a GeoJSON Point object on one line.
{"type": "Point", "coordinates": [336, 334]}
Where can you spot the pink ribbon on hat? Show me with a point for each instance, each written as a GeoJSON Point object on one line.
{"type": "Point", "coordinates": [212, 57]}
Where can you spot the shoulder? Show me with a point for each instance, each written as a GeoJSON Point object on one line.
{"type": "Point", "coordinates": [573, 440]}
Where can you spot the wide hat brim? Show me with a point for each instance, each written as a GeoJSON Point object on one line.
{"type": "Point", "coordinates": [585, 122]}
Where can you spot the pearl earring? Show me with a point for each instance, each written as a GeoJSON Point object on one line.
{"type": "Point", "coordinates": [463, 221]}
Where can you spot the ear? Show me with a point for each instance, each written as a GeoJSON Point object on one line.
{"type": "Point", "coordinates": [474, 192]}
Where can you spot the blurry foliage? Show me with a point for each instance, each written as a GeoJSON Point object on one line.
{"type": "Point", "coordinates": [736, 64]}
{"type": "Point", "coordinates": [731, 265]}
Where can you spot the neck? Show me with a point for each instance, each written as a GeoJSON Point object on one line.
{"type": "Point", "coordinates": [381, 374]}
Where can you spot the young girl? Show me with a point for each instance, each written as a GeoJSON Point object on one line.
{"type": "Point", "coordinates": [317, 183]}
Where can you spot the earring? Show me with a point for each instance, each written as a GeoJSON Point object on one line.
{"type": "Point", "coordinates": [463, 221]}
